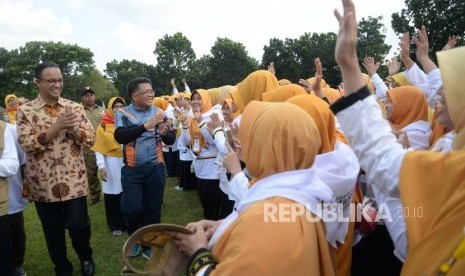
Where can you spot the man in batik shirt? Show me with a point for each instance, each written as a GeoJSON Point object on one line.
{"type": "Point", "coordinates": [52, 130]}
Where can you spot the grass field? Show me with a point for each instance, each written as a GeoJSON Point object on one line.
{"type": "Point", "coordinates": [179, 208]}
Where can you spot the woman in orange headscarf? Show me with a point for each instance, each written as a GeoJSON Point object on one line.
{"type": "Point", "coordinates": [226, 109]}
{"type": "Point", "coordinates": [252, 88]}
{"type": "Point", "coordinates": [282, 93]}
{"type": "Point", "coordinates": [280, 143]}
{"type": "Point", "coordinates": [11, 106]}
{"type": "Point", "coordinates": [337, 166]}
{"type": "Point", "coordinates": [109, 157]}
{"type": "Point", "coordinates": [407, 110]}
{"type": "Point", "coordinates": [206, 146]}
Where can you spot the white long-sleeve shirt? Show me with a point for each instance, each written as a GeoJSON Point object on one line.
{"type": "Point", "coordinates": [418, 134]}
{"type": "Point", "coordinates": [113, 166]}
{"type": "Point", "coordinates": [381, 157]}
{"type": "Point", "coordinates": [9, 163]}
{"type": "Point", "coordinates": [429, 83]}
{"type": "Point", "coordinates": [15, 194]}
{"type": "Point", "coordinates": [380, 86]}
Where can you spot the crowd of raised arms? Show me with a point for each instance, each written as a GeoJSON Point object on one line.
{"type": "Point", "coordinates": [293, 178]}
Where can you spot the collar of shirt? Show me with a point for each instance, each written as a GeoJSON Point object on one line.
{"type": "Point", "coordinates": [40, 103]}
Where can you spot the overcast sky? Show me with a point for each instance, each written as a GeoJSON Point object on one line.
{"type": "Point", "coordinates": [129, 29]}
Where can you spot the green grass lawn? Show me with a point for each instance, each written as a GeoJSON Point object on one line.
{"type": "Point", "coordinates": [179, 208]}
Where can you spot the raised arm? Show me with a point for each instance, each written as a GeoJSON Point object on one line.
{"type": "Point", "coordinates": [360, 116]}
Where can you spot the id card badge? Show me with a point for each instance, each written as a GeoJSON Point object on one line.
{"type": "Point", "coordinates": [196, 146]}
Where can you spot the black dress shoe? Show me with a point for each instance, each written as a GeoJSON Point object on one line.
{"type": "Point", "coordinates": [88, 268]}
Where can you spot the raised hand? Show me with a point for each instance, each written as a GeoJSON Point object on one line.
{"type": "Point", "coordinates": [172, 82]}
{"type": "Point", "coordinates": [316, 85]}
{"type": "Point", "coordinates": [306, 85]}
{"type": "Point", "coordinates": [422, 43]}
{"type": "Point", "coordinates": [370, 65]}
{"type": "Point", "coordinates": [393, 66]}
{"type": "Point", "coordinates": [422, 50]}
{"type": "Point", "coordinates": [231, 161]}
{"type": "Point", "coordinates": [271, 68]}
{"type": "Point", "coordinates": [404, 45]}
{"type": "Point", "coordinates": [345, 50]}
{"type": "Point", "coordinates": [451, 42]}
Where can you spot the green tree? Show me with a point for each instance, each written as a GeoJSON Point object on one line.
{"type": "Point", "coordinates": [121, 72]}
{"type": "Point", "coordinates": [442, 18]}
{"type": "Point", "coordinates": [174, 55]}
{"type": "Point", "coordinates": [72, 60]}
{"type": "Point", "coordinates": [229, 63]}
{"type": "Point", "coordinates": [295, 58]}
{"type": "Point", "coordinates": [199, 73]}
{"type": "Point", "coordinates": [371, 43]}
{"type": "Point", "coordinates": [285, 59]}
{"type": "Point", "coordinates": [371, 39]}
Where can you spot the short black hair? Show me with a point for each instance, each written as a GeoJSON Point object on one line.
{"type": "Point", "coordinates": [134, 84]}
{"type": "Point", "coordinates": [42, 66]}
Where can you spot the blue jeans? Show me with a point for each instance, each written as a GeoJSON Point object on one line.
{"type": "Point", "coordinates": [143, 189]}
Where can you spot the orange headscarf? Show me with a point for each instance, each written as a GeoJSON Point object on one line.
{"type": "Point", "coordinates": [437, 129]}
{"type": "Point", "coordinates": [323, 83]}
{"type": "Point", "coordinates": [194, 129]}
{"type": "Point", "coordinates": [323, 118]}
{"type": "Point", "coordinates": [11, 111]}
{"type": "Point", "coordinates": [452, 72]}
{"type": "Point", "coordinates": [228, 102]}
{"type": "Point", "coordinates": [225, 91]}
{"type": "Point", "coordinates": [105, 142]}
{"type": "Point", "coordinates": [252, 88]}
{"type": "Point", "coordinates": [214, 96]}
{"type": "Point", "coordinates": [400, 79]}
{"type": "Point", "coordinates": [282, 93]}
{"type": "Point", "coordinates": [331, 94]}
{"type": "Point", "coordinates": [277, 137]}
{"type": "Point", "coordinates": [436, 183]}
{"type": "Point", "coordinates": [283, 82]}
{"type": "Point", "coordinates": [409, 106]}
{"type": "Point", "coordinates": [160, 103]}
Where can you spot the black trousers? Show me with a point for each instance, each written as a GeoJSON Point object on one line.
{"type": "Point", "coordinates": [18, 238]}
{"type": "Point", "coordinates": [226, 205]}
{"type": "Point", "coordinates": [210, 197]}
{"type": "Point", "coordinates": [55, 218]}
{"type": "Point", "coordinates": [172, 163]}
{"type": "Point", "coordinates": [188, 180]}
{"type": "Point", "coordinates": [373, 255]}
{"type": "Point", "coordinates": [5, 247]}
{"type": "Point", "coordinates": [114, 216]}
{"type": "Point", "coordinates": [143, 189]}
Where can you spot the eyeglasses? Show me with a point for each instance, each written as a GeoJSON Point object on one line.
{"type": "Point", "coordinates": [118, 106]}
{"type": "Point", "coordinates": [53, 81]}
{"type": "Point", "coordinates": [147, 93]}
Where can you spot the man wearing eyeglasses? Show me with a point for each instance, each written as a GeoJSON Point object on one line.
{"type": "Point", "coordinates": [94, 113]}
{"type": "Point", "coordinates": [140, 128]}
{"type": "Point", "coordinates": [52, 131]}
